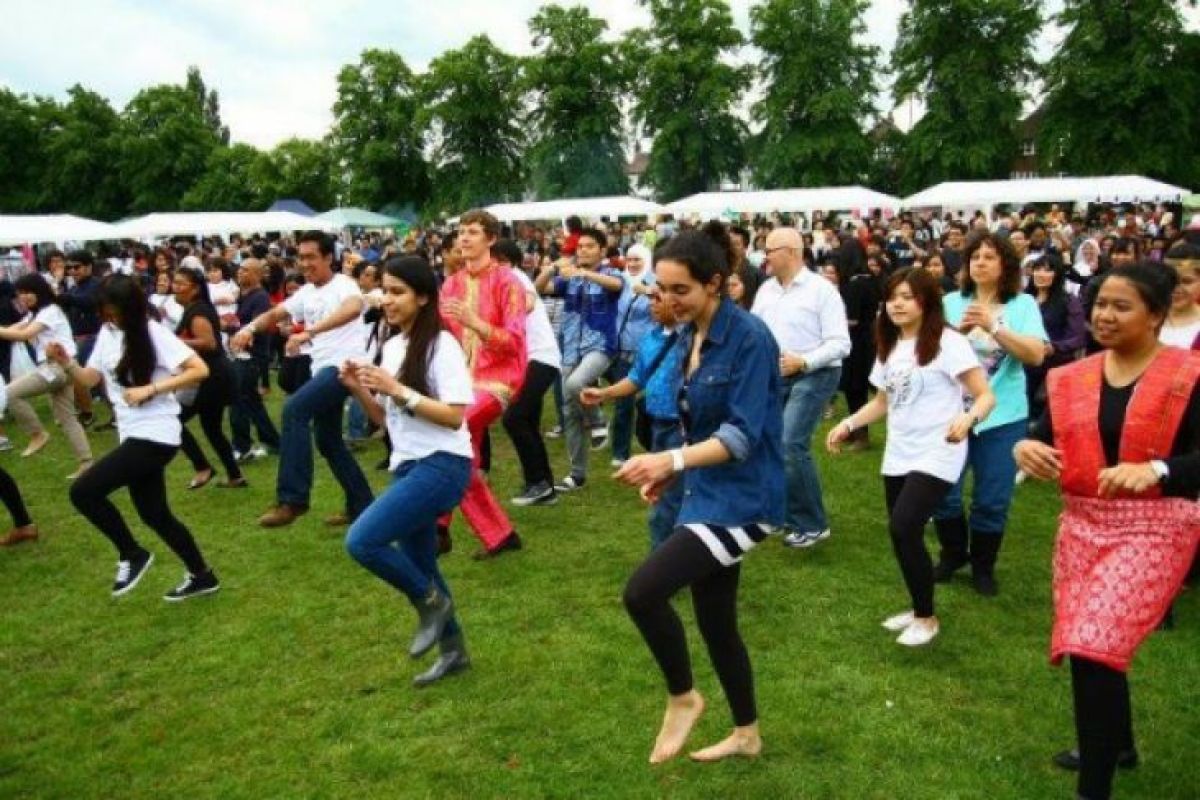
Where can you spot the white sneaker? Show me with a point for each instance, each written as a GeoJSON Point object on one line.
{"type": "Point", "coordinates": [5, 443]}
{"type": "Point", "coordinates": [1021, 476]}
{"type": "Point", "coordinates": [805, 539]}
{"type": "Point", "coordinates": [920, 632]}
{"type": "Point", "coordinates": [616, 463]}
{"type": "Point", "coordinates": [258, 451]}
{"type": "Point", "coordinates": [899, 622]}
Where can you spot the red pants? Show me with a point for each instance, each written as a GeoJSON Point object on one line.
{"type": "Point", "coordinates": [485, 516]}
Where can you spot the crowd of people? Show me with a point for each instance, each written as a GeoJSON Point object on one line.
{"type": "Point", "coordinates": [1036, 345]}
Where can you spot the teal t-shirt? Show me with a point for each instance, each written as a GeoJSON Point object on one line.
{"type": "Point", "coordinates": [1005, 373]}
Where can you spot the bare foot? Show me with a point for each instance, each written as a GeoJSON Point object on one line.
{"type": "Point", "coordinates": [682, 712]}
{"type": "Point", "coordinates": [744, 741]}
{"type": "Point", "coordinates": [36, 443]}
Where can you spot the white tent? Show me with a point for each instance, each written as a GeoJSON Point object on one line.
{"type": "Point", "coordinates": [35, 228]}
{"type": "Point", "coordinates": [203, 223]}
{"type": "Point", "coordinates": [583, 207]}
{"type": "Point", "coordinates": [986, 194]}
{"type": "Point", "coordinates": [834, 198]}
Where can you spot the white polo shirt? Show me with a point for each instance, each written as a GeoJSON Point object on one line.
{"type": "Point", "coordinates": [313, 303]}
{"type": "Point", "coordinates": [807, 318]}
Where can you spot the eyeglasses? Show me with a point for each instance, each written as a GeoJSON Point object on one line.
{"type": "Point", "coordinates": [770, 250]}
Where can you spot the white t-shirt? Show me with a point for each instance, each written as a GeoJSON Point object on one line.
{"type": "Point", "coordinates": [449, 382]}
{"type": "Point", "coordinates": [156, 420]}
{"type": "Point", "coordinates": [169, 308]}
{"type": "Point", "coordinates": [313, 303]}
{"type": "Point", "coordinates": [541, 344]}
{"type": "Point", "coordinates": [922, 402]}
{"type": "Point", "coordinates": [55, 328]}
{"type": "Point", "coordinates": [1180, 336]}
{"type": "Point", "coordinates": [224, 296]}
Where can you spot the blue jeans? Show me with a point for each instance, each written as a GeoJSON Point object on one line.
{"type": "Point", "coordinates": [317, 405]}
{"type": "Point", "coordinates": [396, 537]}
{"type": "Point", "coordinates": [990, 459]}
{"type": "Point", "coordinates": [665, 435]}
{"type": "Point", "coordinates": [356, 422]}
{"type": "Point", "coordinates": [804, 400]}
{"type": "Point", "coordinates": [622, 420]}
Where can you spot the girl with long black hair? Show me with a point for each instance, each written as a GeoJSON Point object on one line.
{"type": "Point", "coordinates": [200, 329]}
{"type": "Point", "coordinates": [142, 365]}
{"type": "Point", "coordinates": [420, 392]}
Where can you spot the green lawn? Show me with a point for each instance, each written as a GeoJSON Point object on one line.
{"type": "Point", "coordinates": [294, 681]}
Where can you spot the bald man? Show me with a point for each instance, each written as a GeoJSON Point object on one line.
{"type": "Point", "coordinates": [806, 315]}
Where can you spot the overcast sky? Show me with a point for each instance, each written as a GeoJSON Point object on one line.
{"type": "Point", "coordinates": [275, 62]}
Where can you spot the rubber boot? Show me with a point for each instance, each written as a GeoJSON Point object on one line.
{"type": "Point", "coordinates": [433, 611]}
{"type": "Point", "coordinates": [952, 536]}
{"type": "Point", "coordinates": [452, 658]}
{"type": "Point", "coordinates": [984, 549]}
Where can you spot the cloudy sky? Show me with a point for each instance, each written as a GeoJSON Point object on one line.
{"type": "Point", "coordinates": [274, 62]}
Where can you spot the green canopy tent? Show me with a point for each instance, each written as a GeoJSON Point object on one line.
{"type": "Point", "coordinates": [1191, 202]}
{"type": "Point", "coordinates": [350, 217]}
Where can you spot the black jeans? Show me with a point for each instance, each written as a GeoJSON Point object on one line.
{"type": "Point", "coordinates": [141, 465]}
{"type": "Point", "coordinates": [523, 421]}
{"type": "Point", "coordinates": [10, 495]}
{"type": "Point", "coordinates": [1103, 724]}
{"type": "Point", "coordinates": [683, 560]}
{"type": "Point", "coordinates": [248, 409]}
{"type": "Point", "coordinates": [911, 501]}
{"type": "Point", "coordinates": [211, 401]}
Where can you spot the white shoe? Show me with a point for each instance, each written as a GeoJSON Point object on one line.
{"type": "Point", "coordinates": [899, 622]}
{"type": "Point", "coordinates": [616, 463]}
{"type": "Point", "coordinates": [920, 632]}
{"type": "Point", "coordinates": [1021, 476]}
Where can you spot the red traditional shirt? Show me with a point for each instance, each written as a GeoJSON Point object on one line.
{"type": "Point", "coordinates": [498, 363]}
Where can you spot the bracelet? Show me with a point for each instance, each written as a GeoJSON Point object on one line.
{"type": "Point", "coordinates": [412, 400]}
{"type": "Point", "coordinates": [677, 464]}
{"type": "Point", "coordinates": [849, 423]}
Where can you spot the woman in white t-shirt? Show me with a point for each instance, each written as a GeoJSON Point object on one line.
{"type": "Point", "coordinates": [1182, 326]}
{"type": "Point", "coordinates": [420, 392]}
{"type": "Point", "coordinates": [921, 369]}
{"type": "Point", "coordinates": [47, 324]}
{"type": "Point", "coordinates": [142, 365]}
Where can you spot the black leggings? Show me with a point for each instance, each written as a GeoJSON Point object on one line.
{"type": "Point", "coordinates": [683, 560]}
{"type": "Point", "coordinates": [911, 501]}
{"type": "Point", "coordinates": [523, 421]}
{"type": "Point", "coordinates": [1103, 724]}
{"type": "Point", "coordinates": [141, 465]}
{"type": "Point", "coordinates": [10, 495]}
{"type": "Point", "coordinates": [211, 401]}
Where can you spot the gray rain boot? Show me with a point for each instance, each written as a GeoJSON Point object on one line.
{"type": "Point", "coordinates": [434, 611]}
{"type": "Point", "coordinates": [452, 658]}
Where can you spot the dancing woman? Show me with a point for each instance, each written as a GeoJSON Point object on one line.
{"type": "Point", "coordinates": [732, 471]}
{"type": "Point", "coordinates": [420, 391]}
{"type": "Point", "coordinates": [23, 529]}
{"type": "Point", "coordinates": [142, 364]}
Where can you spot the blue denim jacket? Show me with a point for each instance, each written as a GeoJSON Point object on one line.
{"type": "Point", "coordinates": [734, 396]}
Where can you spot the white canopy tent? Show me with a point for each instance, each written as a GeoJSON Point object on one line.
{"type": "Point", "coordinates": [36, 228]}
{"type": "Point", "coordinates": [204, 223]}
{"type": "Point", "coordinates": [987, 194]}
{"type": "Point", "coordinates": [583, 207]}
{"type": "Point", "coordinates": [711, 205]}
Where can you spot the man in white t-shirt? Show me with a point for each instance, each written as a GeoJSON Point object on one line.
{"type": "Point", "coordinates": [328, 305]}
{"type": "Point", "coordinates": [806, 315]}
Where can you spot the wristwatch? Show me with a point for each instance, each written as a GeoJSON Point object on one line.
{"type": "Point", "coordinates": [1160, 469]}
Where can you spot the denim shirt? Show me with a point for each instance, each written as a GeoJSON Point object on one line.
{"type": "Point", "coordinates": [734, 396]}
{"type": "Point", "coordinates": [662, 386]}
{"type": "Point", "coordinates": [589, 318]}
{"type": "Point", "coordinates": [634, 321]}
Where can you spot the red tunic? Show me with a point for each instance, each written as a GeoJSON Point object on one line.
{"type": "Point", "coordinates": [1118, 563]}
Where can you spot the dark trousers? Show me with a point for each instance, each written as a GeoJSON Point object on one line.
{"type": "Point", "coordinates": [1103, 723]}
{"type": "Point", "coordinates": [211, 401]}
{"type": "Point", "coordinates": [681, 561]}
{"type": "Point", "coordinates": [523, 421]}
{"type": "Point", "coordinates": [248, 408]}
{"type": "Point", "coordinates": [856, 370]}
{"type": "Point", "coordinates": [911, 500]}
{"type": "Point", "coordinates": [141, 465]}
{"type": "Point", "coordinates": [10, 495]}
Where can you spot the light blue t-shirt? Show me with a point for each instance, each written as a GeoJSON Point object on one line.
{"type": "Point", "coordinates": [1005, 373]}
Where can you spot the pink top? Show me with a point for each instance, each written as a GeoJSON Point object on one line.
{"type": "Point", "coordinates": [498, 363]}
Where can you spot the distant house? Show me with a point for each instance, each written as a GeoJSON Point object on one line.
{"type": "Point", "coordinates": [1027, 162]}
{"type": "Point", "coordinates": [635, 170]}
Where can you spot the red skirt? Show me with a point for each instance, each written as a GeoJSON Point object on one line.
{"type": "Point", "coordinates": [1118, 565]}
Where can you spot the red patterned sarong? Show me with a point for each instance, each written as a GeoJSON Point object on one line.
{"type": "Point", "coordinates": [1118, 565]}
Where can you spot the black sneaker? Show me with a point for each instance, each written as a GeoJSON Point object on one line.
{"type": "Point", "coordinates": [1069, 760]}
{"type": "Point", "coordinates": [193, 586]}
{"type": "Point", "coordinates": [599, 438]}
{"type": "Point", "coordinates": [541, 494]}
{"type": "Point", "coordinates": [570, 484]}
{"type": "Point", "coordinates": [130, 572]}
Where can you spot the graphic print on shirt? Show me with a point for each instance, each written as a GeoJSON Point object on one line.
{"type": "Point", "coordinates": [904, 383]}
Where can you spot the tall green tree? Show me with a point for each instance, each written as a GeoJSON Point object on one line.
{"type": "Point", "coordinates": [377, 133]}
{"type": "Point", "coordinates": [305, 169]}
{"type": "Point", "coordinates": [209, 103]}
{"type": "Point", "coordinates": [80, 150]}
{"type": "Point", "coordinates": [1120, 92]}
{"type": "Point", "coordinates": [165, 147]}
{"type": "Point", "coordinates": [577, 80]}
{"type": "Point", "coordinates": [25, 126]}
{"type": "Point", "coordinates": [235, 179]}
{"type": "Point", "coordinates": [817, 97]}
{"type": "Point", "coordinates": [473, 104]}
{"type": "Point", "coordinates": [687, 95]}
{"type": "Point", "coordinates": [970, 61]}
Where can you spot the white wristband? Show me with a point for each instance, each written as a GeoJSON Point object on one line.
{"type": "Point", "coordinates": [849, 423]}
{"type": "Point", "coordinates": [412, 401]}
{"type": "Point", "coordinates": [677, 464]}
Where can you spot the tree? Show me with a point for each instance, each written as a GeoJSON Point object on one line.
{"type": "Point", "coordinates": [234, 180]}
{"type": "Point", "coordinates": [883, 170]}
{"type": "Point", "coordinates": [25, 124]}
{"type": "Point", "coordinates": [577, 80]}
{"type": "Point", "coordinates": [687, 95]}
{"type": "Point", "coordinates": [817, 96]}
{"type": "Point", "coordinates": [165, 148]}
{"type": "Point", "coordinates": [473, 101]}
{"type": "Point", "coordinates": [304, 169]}
{"type": "Point", "coordinates": [209, 104]}
{"type": "Point", "coordinates": [1120, 92]}
{"type": "Point", "coordinates": [377, 133]}
{"type": "Point", "coordinates": [80, 150]}
{"type": "Point", "coordinates": [970, 61]}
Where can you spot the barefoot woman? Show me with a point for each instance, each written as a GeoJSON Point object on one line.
{"type": "Point", "coordinates": [732, 473]}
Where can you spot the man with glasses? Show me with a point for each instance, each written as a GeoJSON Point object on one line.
{"type": "Point", "coordinates": [807, 317]}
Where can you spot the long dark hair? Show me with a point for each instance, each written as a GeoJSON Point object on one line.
{"type": "Point", "coordinates": [199, 280]}
{"type": "Point", "coordinates": [416, 273]}
{"type": "Point", "coordinates": [124, 295]}
{"type": "Point", "coordinates": [927, 291]}
{"type": "Point", "coordinates": [34, 284]}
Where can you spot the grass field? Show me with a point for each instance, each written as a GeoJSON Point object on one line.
{"type": "Point", "coordinates": [294, 681]}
